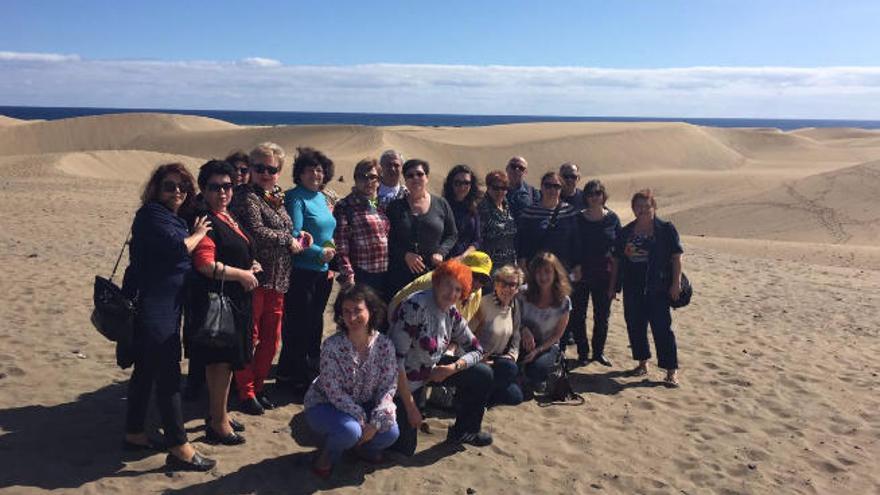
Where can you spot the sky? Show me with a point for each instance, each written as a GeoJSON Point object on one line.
{"type": "Point", "coordinates": [652, 58]}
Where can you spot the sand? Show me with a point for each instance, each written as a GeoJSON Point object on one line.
{"type": "Point", "coordinates": [778, 349]}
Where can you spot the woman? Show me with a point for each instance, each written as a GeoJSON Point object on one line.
{"type": "Point", "coordinates": [263, 218]}
{"type": "Point", "coordinates": [545, 308]}
{"type": "Point", "coordinates": [497, 226]}
{"type": "Point", "coordinates": [550, 225]}
{"type": "Point", "coordinates": [462, 191]}
{"type": "Point", "coordinates": [425, 325]}
{"type": "Point", "coordinates": [648, 267]}
{"type": "Point", "coordinates": [362, 231]}
{"type": "Point", "coordinates": [225, 255]}
{"type": "Point", "coordinates": [598, 228]}
{"type": "Point", "coordinates": [422, 229]}
{"type": "Point", "coordinates": [310, 278]}
{"type": "Point", "coordinates": [351, 402]}
{"type": "Point", "coordinates": [241, 163]}
{"type": "Point", "coordinates": [498, 327]}
{"type": "Point", "coordinates": [159, 260]}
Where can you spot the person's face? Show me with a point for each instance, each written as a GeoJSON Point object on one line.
{"type": "Point", "coordinates": [416, 179]}
{"type": "Point", "coordinates": [496, 192]}
{"type": "Point", "coordinates": [643, 210]}
{"type": "Point", "coordinates": [551, 188]}
{"type": "Point", "coordinates": [461, 185]}
{"type": "Point", "coordinates": [218, 192]}
{"type": "Point", "coordinates": [391, 169]}
{"type": "Point", "coordinates": [570, 178]}
{"type": "Point", "coordinates": [312, 177]}
{"type": "Point", "coordinates": [516, 170]}
{"type": "Point", "coordinates": [355, 315]}
{"type": "Point", "coordinates": [264, 172]}
{"type": "Point", "coordinates": [506, 288]}
{"type": "Point", "coordinates": [244, 173]}
{"type": "Point", "coordinates": [594, 198]}
{"type": "Point", "coordinates": [447, 292]}
{"type": "Point", "coordinates": [172, 191]}
{"type": "Point", "coordinates": [368, 183]}
{"type": "Point", "coordinates": [545, 276]}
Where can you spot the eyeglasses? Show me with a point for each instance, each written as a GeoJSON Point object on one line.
{"type": "Point", "coordinates": [498, 188]}
{"type": "Point", "coordinates": [461, 183]}
{"type": "Point", "coordinates": [518, 168]}
{"type": "Point", "coordinates": [243, 170]}
{"type": "Point", "coordinates": [261, 169]}
{"type": "Point", "coordinates": [368, 177]}
{"type": "Point", "coordinates": [170, 186]}
{"type": "Point", "coordinates": [550, 185]}
{"type": "Point", "coordinates": [413, 175]}
{"type": "Point", "coordinates": [213, 187]}
{"type": "Point", "coordinates": [571, 176]}
{"type": "Point", "coordinates": [507, 283]}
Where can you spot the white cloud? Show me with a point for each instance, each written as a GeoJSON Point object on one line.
{"type": "Point", "coordinates": [265, 84]}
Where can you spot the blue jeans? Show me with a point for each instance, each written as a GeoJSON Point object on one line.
{"type": "Point", "coordinates": [505, 389]}
{"type": "Point", "coordinates": [538, 370]}
{"type": "Point", "coordinates": [341, 431]}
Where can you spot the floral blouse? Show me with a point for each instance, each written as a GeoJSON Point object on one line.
{"type": "Point", "coordinates": [421, 333]}
{"type": "Point", "coordinates": [350, 384]}
{"type": "Point", "coordinates": [269, 226]}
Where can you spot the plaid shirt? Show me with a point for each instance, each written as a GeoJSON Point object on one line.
{"type": "Point", "coordinates": [361, 235]}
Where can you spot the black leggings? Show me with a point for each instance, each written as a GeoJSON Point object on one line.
{"type": "Point", "coordinates": [159, 363]}
{"type": "Point", "coordinates": [303, 325]}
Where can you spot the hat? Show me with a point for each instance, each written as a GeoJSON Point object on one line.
{"type": "Point", "coordinates": [480, 264]}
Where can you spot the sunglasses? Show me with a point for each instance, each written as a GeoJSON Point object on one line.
{"type": "Point", "coordinates": [226, 186]}
{"type": "Point", "coordinates": [498, 188]}
{"type": "Point", "coordinates": [507, 283]}
{"type": "Point", "coordinates": [368, 177]}
{"type": "Point", "coordinates": [549, 185]}
{"type": "Point", "coordinates": [593, 193]}
{"type": "Point", "coordinates": [261, 169]}
{"type": "Point", "coordinates": [570, 177]}
{"type": "Point", "coordinates": [519, 168]}
{"type": "Point", "coordinates": [461, 183]}
{"type": "Point", "coordinates": [169, 186]}
{"type": "Point", "coordinates": [243, 170]}
{"type": "Point", "coordinates": [413, 175]}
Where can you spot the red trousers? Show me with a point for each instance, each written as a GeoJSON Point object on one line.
{"type": "Point", "coordinates": [268, 308]}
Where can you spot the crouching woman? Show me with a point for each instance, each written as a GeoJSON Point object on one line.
{"type": "Point", "coordinates": [351, 402]}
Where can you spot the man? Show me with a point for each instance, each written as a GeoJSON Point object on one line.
{"type": "Point", "coordinates": [571, 175]}
{"type": "Point", "coordinates": [519, 194]}
{"type": "Point", "coordinates": [391, 187]}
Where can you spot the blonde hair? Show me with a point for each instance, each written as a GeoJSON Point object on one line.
{"type": "Point", "coordinates": [266, 150]}
{"type": "Point", "coordinates": [561, 287]}
{"type": "Point", "coordinates": [509, 271]}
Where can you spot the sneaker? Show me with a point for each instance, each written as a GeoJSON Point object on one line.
{"type": "Point", "coordinates": [478, 439]}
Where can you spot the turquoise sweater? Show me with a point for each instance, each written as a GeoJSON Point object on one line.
{"type": "Point", "coordinates": [310, 212]}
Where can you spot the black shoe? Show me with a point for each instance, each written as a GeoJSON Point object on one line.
{"type": "Point", "coordinates": [235, 425]}
{"type": "Point", "coordinates": [264, 401]}
{"type": "Point", "coordinates": [197, 463]}
{"type": "Point", "coordinates": [251, 406]}
{"type": "Point", "coordinates": [137, 447]}
{"type": "Point", "coordinates": [478, 439]}
{"type": "Point", "coordinates": [231, 439]}
{"type": "Point", "coordinates": [601, 359]}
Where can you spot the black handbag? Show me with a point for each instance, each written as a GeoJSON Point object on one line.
{"type": "Point", "coordinates": [114, 312]}
{"type": "Point", "coordinates": [217, 329]}
{"type": "Point", "coordinates": [687, 291]}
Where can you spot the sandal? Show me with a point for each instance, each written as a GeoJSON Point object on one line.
{"type": "Point", "coordinates": [639, 371]}
{"type": "Point", "coordinates": [671, 380]}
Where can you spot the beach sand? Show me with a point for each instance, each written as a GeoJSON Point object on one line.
{"type": "Point", "coordinates": [778, 349]}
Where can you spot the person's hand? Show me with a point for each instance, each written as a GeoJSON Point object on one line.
{"type": "Point", "coordinates": [436, 259]}
{"type": "Point", "coordinates": [488, 360]}
{"type": "Point", "coordinates": [528, 340]}
{"type": "Point", "coordinates": [305, 239]}
{"type": "Point", "coordinates": [414, 262]}
{"type": "Point", "coordinates": [531, 356]}
{"type": "Point", "coordinates": [202, 226]}
{"type": "Point", "coordinates": [675, 291]}
{"type": "Point", "coordinates": [413, 415]}
{"type": "Point", "coordinates": [441, 372]}
{"type": "Point", "coordinates": [367, 433]}
{"type": "Point", "coordinates": [327, 254]}
{"type": "Point", "coordinates": [256, 267]}
{"type": "Point", "coordinates": [248, 280]}
{"type": "Point", "coordinates": [296, 246]}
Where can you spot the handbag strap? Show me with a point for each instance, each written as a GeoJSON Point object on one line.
{"type": "Point", "coordinates": [119, 258]}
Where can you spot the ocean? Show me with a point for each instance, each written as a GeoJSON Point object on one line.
{"type": "Point", "coordinates": [389, 119]}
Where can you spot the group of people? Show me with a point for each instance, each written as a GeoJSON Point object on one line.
{"type": "Point", "coordinates": [469, 291]}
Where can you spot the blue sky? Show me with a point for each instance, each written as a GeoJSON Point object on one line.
{"type": "Point", "coordinates": [699, 58]}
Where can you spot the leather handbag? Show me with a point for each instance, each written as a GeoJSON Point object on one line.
{"type": "Point", "coordinates": [687, 291]}
{"type": "Point", "coordinates": [114, 313]}
{"type": "Point", "coordinates": [218, 323]}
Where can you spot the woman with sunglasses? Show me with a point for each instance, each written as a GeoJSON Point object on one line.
{"type": "Point", "coordinates": [362, 230]}
{"type": "Point", "coordinates": [497, 225]}
{"type": "Point", "coordinates": [241, 163]}
{"type": "Point", "coordinates": [497, 326]}
{"type": "Point", "coordinates": [260, 210]}
{"type": "Point", "coordinates": [550, 225]}
{"type": "Point", "coordinates": [422, 232]}
{"type": "Point", "coordinates": [159, 261]}
{"type": "Point", "coordinates": [223, 262]}
{"type": "Point", "coordinates": [462, 190]}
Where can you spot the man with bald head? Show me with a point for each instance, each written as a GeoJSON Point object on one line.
{"type": "Point", "coordinates": [391, 186]}
{"type": "Point", "coordinates": [519, 193]}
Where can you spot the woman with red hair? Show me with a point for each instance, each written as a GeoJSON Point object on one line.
{"type": "Point", "coordinates": [423, 327]}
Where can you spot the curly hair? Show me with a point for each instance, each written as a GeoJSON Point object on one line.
{"type": "Point", "coordinates": [474, 194]}
{"type": "Point", "coordinates": [152, 187]}
{"type": "Point", "coordinates": [212, 168]}
{"type": "Point", "coordinates": [561, 286]}
{"type": "Point", "coordinates": [358, 293]}
{"type": "Point", "coordinates": [310, 157]}
{"type": "Point", "coordinates": [457, 271]}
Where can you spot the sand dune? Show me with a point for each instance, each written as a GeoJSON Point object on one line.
{"type": "Point", "coordinates": [778, 349]}
{"type": "Point", "coordinates": [6, 121]}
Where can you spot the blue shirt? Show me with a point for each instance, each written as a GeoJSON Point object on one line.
{"type": "Point", "coordinates": [310, 212]}
{"type": "Point", "coordinates": [522, 197]}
